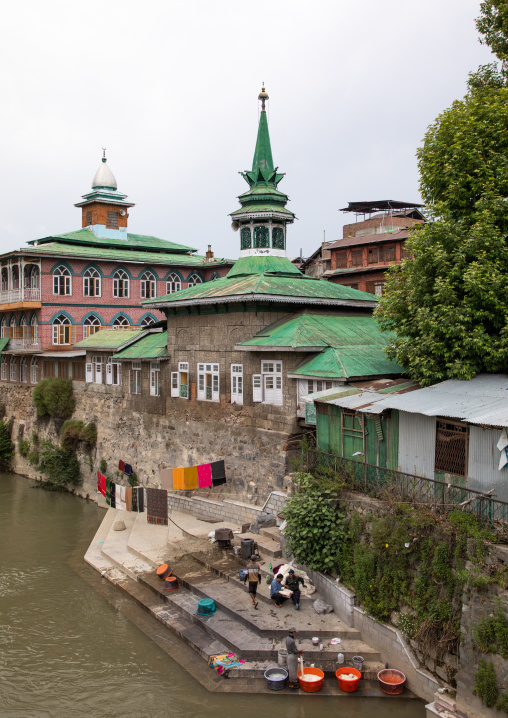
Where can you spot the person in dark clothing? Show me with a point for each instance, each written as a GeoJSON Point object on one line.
{"type": "Point", "coordinates": [275, 588]}
{"type": "Point", "coordinates": [293, 654]}
{"type": "Point", "coordinates": [253, 576]}
{"type": "Point", "coordinates": [293, 583]}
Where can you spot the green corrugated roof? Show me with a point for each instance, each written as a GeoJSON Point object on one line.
{"type": "Point", "coordinates": [263, 265]}
{"type": "Point", "coordinates": [122, 255]}
{"type": "Point", "coordinates": [346, 362]}
{"type": "Point", "coordinates": [133, 241]}
{"type": "Point", "coordinates": [296, 289]}
{"type": "Point", "coordinates": [262, 207]}
{"type": "Point", "coordinates": [109, 339]}
{"type": "Point", "coordinates": [153, 346]}
{"type": "Point", "coordinates": [3, 343]}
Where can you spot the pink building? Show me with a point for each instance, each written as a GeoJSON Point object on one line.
{"type": "Point", "coordinates": [62, 288]}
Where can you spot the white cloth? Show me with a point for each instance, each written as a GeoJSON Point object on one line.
{"type": "Point", "coordinates": [306, 590]}
{"type": "Point", "coordinates": [503, 459]}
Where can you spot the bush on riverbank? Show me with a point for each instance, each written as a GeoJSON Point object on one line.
{"type": "Point", "coordinates": [75, 432]}
{"type": "Point", "coordinates": [60, 466]}
{"type": "Point", "coordinates": [54, 398]}
{"type": "Point", "coordinates": [6, 444]}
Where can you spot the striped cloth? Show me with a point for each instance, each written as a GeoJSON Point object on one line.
{"type": "Point", "coordinates": [157, 506]}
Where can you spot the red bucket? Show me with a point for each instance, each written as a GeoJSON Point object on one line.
{"type": "Point", "coordinates": [348, 686]}
{"type": "Point", "coordinates": [163, 571]}
{"type": "Point", "coordinates": [311, 686]}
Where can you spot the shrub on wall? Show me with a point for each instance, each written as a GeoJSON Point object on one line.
{"type": "Point", "coordinates": [23, 447]}
{"type": "Point", "coordinates": [6, 444]}
{"type": "Point", "coordinates": [74, 432]}
{"type": "Point", "coordinates": [54, 398]}
{"type": "Point", "coordinates": [60, 466]}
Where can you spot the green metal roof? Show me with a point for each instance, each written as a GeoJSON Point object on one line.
{"type": "Point", "coordinates": [109, 339]}
{"type": "Point", "coordinates": [3, 343]}
{"type": "Point", "coordinates": [346, 362]}
{"type": "Point", "coordinates": [152, 346]}
{"type": "Point", "coordinates": [295, 289]}
{"type": "Point", "coordinates": [123, 255]}
{"type": "Point", "coordinates": [133, 241]}
{"type": "Point", "coordinates": [264, 264]}
{"type": "Point", "coordinates": [262, 207]}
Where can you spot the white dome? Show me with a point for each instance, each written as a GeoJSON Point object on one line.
{"type": "Point", "coordinates": [104, 177]}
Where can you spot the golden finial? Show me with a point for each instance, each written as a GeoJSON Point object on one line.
{"type": "Point", "coordinates": [263, 96]}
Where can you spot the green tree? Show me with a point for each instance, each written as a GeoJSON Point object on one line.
{"type": "Point", "coordinates": [6, 445]}
{"type": "Point", "coordinates": [493, 26]}
{"type": "Point", "coordinates": [448, 302]}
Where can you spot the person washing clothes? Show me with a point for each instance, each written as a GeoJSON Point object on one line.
{"type": "Point", "coordinates": [275, 589]}
{"type": "Point", "coordinates": [293, 654]}
{"type": "Point", "coordinates": [253, 576]}
{"type": "Point", "coordinates": [293, 583]}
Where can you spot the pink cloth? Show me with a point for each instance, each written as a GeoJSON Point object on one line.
{"type": "Point", "coordinates": [204, 475]}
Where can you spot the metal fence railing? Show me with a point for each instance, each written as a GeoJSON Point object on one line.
{"type": "Point", "coordinates": [440, 495]}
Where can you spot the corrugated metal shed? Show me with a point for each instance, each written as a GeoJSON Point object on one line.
{"type": "Point", "coordinates": [152, 346]}
{"type": "Point", "coordinates": [417, 442]}
{"type": "Point", "coordinates": [482, 400]}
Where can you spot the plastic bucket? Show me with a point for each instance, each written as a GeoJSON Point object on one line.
{"type": "Point", "coordinates": [170, 583]}
{"type": "Point", "coordinates": [348, 686]}
{"type": "Point", "coordinates": [358, 662]}
{"type": "Point", "coordinates": [276, 678]}
{"type": "Point", "coordinates": [312, 686]}
{"type": "Point", "coordinates": [247, 547]}
{"type": "Point", "coordinates": [163, 571]}
{"type": "Point", "coordinates": [391, 681]}
{"type": "Point", "coordinates": [282, 657]}
{"type": "Point", "coordinates": [206, 606]}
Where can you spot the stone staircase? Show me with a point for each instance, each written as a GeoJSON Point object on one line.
{"type": "Point", "coordinates": [128, 558]}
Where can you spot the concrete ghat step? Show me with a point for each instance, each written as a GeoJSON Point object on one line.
{"type": "Point", "coordinates": [254, 669]}
{"type": "Point", "coordinates": [94, 555]}
{"type": "Point", "coordinates": [273, 532]}
{"type": "Point", "coordinates": [266, 546]}
{"type": "Point", "coordinates": [148, 541]}
{"type": "Point", "coordinates": [250, 642]}
{"type": "Point", "coordinates": [115, 547]}
{"type": "Point", "coordinates": [227, 567]}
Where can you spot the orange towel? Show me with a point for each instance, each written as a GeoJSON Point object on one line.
{"type": "Point", "coordinates": [178, 480]}
{"type": "Point", "coordinates": [191, 477]}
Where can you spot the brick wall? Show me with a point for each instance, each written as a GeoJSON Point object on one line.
{"type": "Point", "coordinates": [385, 221]}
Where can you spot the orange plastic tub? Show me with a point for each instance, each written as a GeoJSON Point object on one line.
{"type": "Point", "coordinates": [348, 686]}
{"type": "Point", "coordinates": [312, 686]}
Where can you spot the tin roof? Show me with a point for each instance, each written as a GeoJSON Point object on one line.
{"type": "Point", "coordinates": [112, 339]}
{"type": "Point", "coordinates": [378, 205]}
{"type": "Point", "coordinates": [355, 398]}
{"type": "Point", "coordinates": [482, 400]}
{"type": "Point", "coordinates": [388, 236]}
{"type": "Point", "coordinates": [152, 346]}
{"type": "Point", "coordinates": [134, 241]}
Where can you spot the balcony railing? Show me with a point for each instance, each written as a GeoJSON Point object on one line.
{"type": "Point", "coordinates": [25, 294]}
{"type": "Point", "coordinates": [28, 344]}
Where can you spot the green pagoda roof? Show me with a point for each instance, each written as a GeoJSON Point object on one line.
{"type": "Point", "coordinates": [263, 264]}
{"type": "Point", "coordinates": [152, 346]}
{"type": "Point", "coordinates": [134, 241]}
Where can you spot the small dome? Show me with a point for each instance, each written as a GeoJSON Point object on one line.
{"type": "Point", "coordinates": [104, 177]}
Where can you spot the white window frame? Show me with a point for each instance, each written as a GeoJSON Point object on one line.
{"type": "Point", "coordinates": [60, 326]}
{"type": "Point", "coordinates": [193, 280]}
{"type": "Point", "coordinates": [121, 284]}
{"type": "Point", "coordinates": [97, 368]}
{"type": "Point", "coordinates": [34, 370]}
{"type": "Point", "coordinates": [124, 324]}
{"type": "Point", "coordinates": [173, 283]}
{"type": "Point", "coordinates": [113, 372]}
{"type": "Point", "coordinates": [208, 382]}
{"type": "Point", "coordinates": [175, 383]}
{"type": "Point", "coordinates": [148, 285]}
{"type": "Point", "coordinates": [155, 377]}
{"type": "Point", "coordinates": [271, 372]}
{"type": "Point", "coordinates": [257, 388]}
{"type": "Point", "coordinates": [135, 378]}
{"type": "Point", "coordinates": [183, 386]}
{"type": "Point", "coordinates": [23, 370]}
{"type": "Point", "coordinates": [147, 322]}
{"type": "Point", "coordinates": [91, 283]}
{"type": "Point", "coordinates": [91, 325]}
{"type": "Point", "coordinates": [237, 383]}
{"type": "Point", "coordinates": [62, 273]}
{"type": "Point", "coordinates": [13, 369]}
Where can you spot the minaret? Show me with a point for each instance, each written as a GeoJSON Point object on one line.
{"type": "Point", "coordinates": [263, 217]}
{"type": "Point", "coordinates": [104, 209]}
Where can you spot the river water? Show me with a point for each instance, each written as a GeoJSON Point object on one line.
{"type": "Point", "coordinates": [72, 646]}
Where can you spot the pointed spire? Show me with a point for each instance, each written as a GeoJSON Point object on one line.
{"type": "Point", "coordinates": [263, 152]}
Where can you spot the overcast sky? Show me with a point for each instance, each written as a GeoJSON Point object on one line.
{"type": "Point", "coordinates": [170, 88]}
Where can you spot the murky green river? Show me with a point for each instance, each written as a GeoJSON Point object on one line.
{"type": "Point", "coordinates": [71, 645]}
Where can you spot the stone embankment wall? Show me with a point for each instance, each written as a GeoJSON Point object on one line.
{"type": "Point", "coordinates": [226, 510]}
{"type": "Point", "coordinates": [255, 458]}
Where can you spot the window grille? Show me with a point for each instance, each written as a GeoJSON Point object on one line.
{"type": "Point", "coordinates": [112, 220]}
{"type": "Point", "coordinates": [246, 238]}
{"type": "Point", "coordinates": [88, 218]}
{"type": "Point", "coordinates": [278, 238]}
{"type": "Point", "coordinates": [261, 237]}
{"type": "Point", "coordinates": [451, 447]}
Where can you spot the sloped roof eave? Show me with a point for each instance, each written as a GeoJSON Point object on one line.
{"type": "Point", "coordinates": [281, 299]}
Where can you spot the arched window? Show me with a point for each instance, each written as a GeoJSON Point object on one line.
{"type": "Point", "coordinates": [121, 322]}
{"type": "Point", "coordinates": [23, 329]}
{"type": "Point", "coordinates": [14, 369]}
{"type": "Point", "coordinates": [34, 278]}
{"type": "Point", "coordinates": [63, 331]}
{"type": "Point", "coordinates": [193, 280]}
{"type": "Point", "coordinates": [173, 283]}
{"type": "Point", "coordinates": [3, 368]}
{"type": "Point", "coordinates": [91, 325]}
{"type": "Point", "coordinates": [147, 321]}
{"type": "Point", "coordinates": [34, 371]}
{"type": "Point", "coordinates": [261, 237]}
{"type": "Point", "coordinates": [91, 283]}
{"type": "Point", "coordinates": [15, 277]}
{"type": "Point", "coordinates": [34, 327]}
{"type": "Point", "coordinates": [61, 281]}
{"type": "Point", "coordinates": [3, 327]}
{"type": "Point", "coordinates": [148, 286]}
{"type": "Point", "coordinates": [278, 238]}
{"type": "Point", "coordinates": [5, 280]}
{"type": "Point", "coordinates": [23, 373]}
{"type": "Point", "coordinates": [12, 328]}
{"type": "Point", "coordinates": [120, 284]}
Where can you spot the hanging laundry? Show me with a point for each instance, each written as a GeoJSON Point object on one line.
{"type": "Point", "coordinates": [218, 473]}
{"type": "Point", "coordinates": [204, 475]}
{"type": "Point", "coordinates": [99, 481]}
{"type": "Point", "coordinates": [113, 495]}
{"type": "Point", "coordinates": [108, 491]}
{"type": "Point", "coordinates": [134, 501]}
{"type": "Point", "coordinates": [166, 479]}
{"type": "Point", "coordinates": [157, 506]}
{"type": "Point", "coordinates": [128, 498]}
{"type": "Point", "coordinates": [141, 499]}
{"type": "Point", "coordinates": [128, 470]}
{"type": "Point", "coordinates": [120, 498]}
{"type": "Point", "coordinates": [178, 479]}
{"type": "Point", "coordinates": [190, 477]}
{"type": "Point", "coordinates": [121, 465]}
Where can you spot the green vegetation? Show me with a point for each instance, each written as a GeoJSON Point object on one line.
{"type": "Point", "coordinates": [23, 447]}
{"type": "Point", "coordinates": [6, 444]}
{"type": "Point", "coordinates": [486, 684]}
{"type": "Point", "coordinates": [54, 398]}
{"type": "Point", "coordinates": [75, 433]}
{"type": "Point", "coordinates": [60, 466]}
{"type": "Point", "coordinates": [133, 479]}
{"type": "Point", "coordinates": [491, 633]}
{"type": "Point", "coordinates": [103, 466]}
